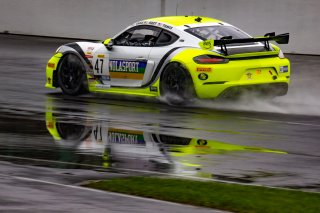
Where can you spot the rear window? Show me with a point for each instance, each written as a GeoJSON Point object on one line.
{"type": "Point", "coordinates": [166, 38]}
{"type": "Point", "coordinates": [216, 32]}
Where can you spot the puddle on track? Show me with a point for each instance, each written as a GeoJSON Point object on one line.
{"type": "Point", "coordinates": [137, 138]}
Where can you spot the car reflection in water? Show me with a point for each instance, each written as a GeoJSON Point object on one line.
{"type": "Point", "coordinates": [135, 150]}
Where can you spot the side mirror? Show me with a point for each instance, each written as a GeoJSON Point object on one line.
{"type": "Point", "coordinates": [110, 44]}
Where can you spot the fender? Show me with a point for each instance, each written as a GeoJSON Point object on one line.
{"type": "Point", "coordinates": [162, 64]}
{"type": "Point", "coordinates": [173, 56]}
{"type": "Point", "coordinates": [75, 48]}
{"type": "Point", "coordinates": [94, 56]}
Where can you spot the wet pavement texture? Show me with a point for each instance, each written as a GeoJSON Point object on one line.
{"type": "Point", "coordinates": [265, 142]}
{"type": "Point", "coordinates": [26, 194]}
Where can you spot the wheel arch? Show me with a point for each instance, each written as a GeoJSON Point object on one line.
{"type": "Point", "coordinates": [66, 50]}
{"type": "Point", "coordinates": [179, 63]}
{"type": "Point", "coordinates": [74, 48]}
{"type": "Point", "coordinates": [185, 58]}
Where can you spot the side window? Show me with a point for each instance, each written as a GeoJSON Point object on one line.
{"type": "Point", "coordinates": [143, 36]}
{"type": "Point", "coordinates": [166, 38]}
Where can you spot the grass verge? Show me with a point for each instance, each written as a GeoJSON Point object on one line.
{"type": "Point", "coordinates": [224, 196]}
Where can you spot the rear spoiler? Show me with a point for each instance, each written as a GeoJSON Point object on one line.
{"type": "Point", "coordinates": [280, 39]}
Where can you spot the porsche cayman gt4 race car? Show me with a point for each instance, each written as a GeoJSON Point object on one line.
{"type": "Point", "coordinates": [178, 57]}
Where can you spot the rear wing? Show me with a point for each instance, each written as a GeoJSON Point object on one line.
{"type": "Point", "coordinates": [280, 39]}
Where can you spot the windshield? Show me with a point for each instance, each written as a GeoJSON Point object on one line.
{"type": "Point", "coordinates": [216, 32]}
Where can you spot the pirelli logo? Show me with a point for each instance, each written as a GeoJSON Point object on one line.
{"type": "Point", "coordinates": [204, 69]}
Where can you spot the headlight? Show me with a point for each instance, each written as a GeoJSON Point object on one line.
{"type": "Point", "coordinates": [281, 55]}
{"type": "Point", "coordinates": [284, 69]}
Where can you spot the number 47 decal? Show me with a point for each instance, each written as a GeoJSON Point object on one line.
{"type": "Point", "coordinates": [99, 66]}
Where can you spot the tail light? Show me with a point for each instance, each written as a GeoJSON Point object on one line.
{"type": "Point", "coordinates": [210, 59]}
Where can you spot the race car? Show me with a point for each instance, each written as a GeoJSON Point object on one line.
{"type": "Point", "coordinates": [177, 57]}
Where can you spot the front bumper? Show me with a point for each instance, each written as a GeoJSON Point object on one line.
{"type": "Point", "coordinates": [51, 73]}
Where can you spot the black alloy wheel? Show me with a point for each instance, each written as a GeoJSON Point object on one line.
{"type": "Point", "coordinates": [176, 84]}
{"type": "Point", "coordinates": [72, 75]}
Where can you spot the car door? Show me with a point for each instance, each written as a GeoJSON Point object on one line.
{"type": "Point", "coordinates": [165, 44]}
{"type": "Point", "coordinates": [129, 58]}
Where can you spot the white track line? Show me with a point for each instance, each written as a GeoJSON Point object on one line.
{"type": "Point", "coordinates": [98, 191]}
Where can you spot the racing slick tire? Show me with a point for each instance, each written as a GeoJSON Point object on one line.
{"type": "Point", "coordinates": [176, 84]}
{"type": "Point", "coordinates": [72, 75]}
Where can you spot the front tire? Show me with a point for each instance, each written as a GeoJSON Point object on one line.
{"type": "Point", "coordinates": [72, 75]}
{"type": "Point", "coordinates": [176, 84]}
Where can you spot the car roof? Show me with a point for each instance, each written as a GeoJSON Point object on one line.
{"type": "Point", "coordinates": [184, 20]}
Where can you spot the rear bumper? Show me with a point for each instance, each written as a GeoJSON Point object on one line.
{"type": "Point", "coordinates": [265, 76]}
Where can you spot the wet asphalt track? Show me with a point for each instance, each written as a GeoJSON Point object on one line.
{"type": "Point", "coordinates": [272, 143]}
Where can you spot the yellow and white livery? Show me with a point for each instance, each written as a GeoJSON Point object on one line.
{"type": "Point", "coordinates": [179, 57]}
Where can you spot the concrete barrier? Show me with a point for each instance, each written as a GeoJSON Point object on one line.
{"type": "Point", "coordinates": [94, 19]}
{"type": "Point", "coordinates": [97, 19]}
{"type": "Point", "coordinates": [257, 17]}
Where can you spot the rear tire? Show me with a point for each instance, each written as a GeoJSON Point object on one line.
{"type": "Point", "coordinates": [72, 75]}
{"type": "Point", "coordinates": [176, 84]}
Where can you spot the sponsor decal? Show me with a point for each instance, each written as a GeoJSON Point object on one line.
{"type": "Point", "coordinates": [207, 44]}
{"type": "Point", "coordinates": [120, 136]}
{"type": "Point", "coordinates": [142, 22]}
{"type": "Point", "coordinates": [202, 142]}
{"type": "Point", "coordinates": [249, 75]}
{"type": "Point", "coordinates": [258, 72]}
{"type": "Point", "coordinates": [105, 78]}
{"type": "Point", "coordinates": [51, 65]}
{"type": "Point", "coordinates": [203, 76]}
{"type": "Point", "coordinates": [88, 53]}
{"type": "Point", "coordinates": [89, 56]}
{"type": "Point", "coordinates": [203, 69]}
{"type": "Point", "coordinates": [154, 23]}
{"type": "Point", "coordinates": [90, 48]}
{"type": "Point", "coordinates": [153, 89]}
{"type": "Point", "coordinates": [167, 27]}
{"type": "Point", "coordinates": [49, 80]}
{"type": "Point", "coordinates": [103, 86]}
{"type": "Point", "coordinates": [127, 69]}
{"type": "Point", "coordinates": [101, 56]}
